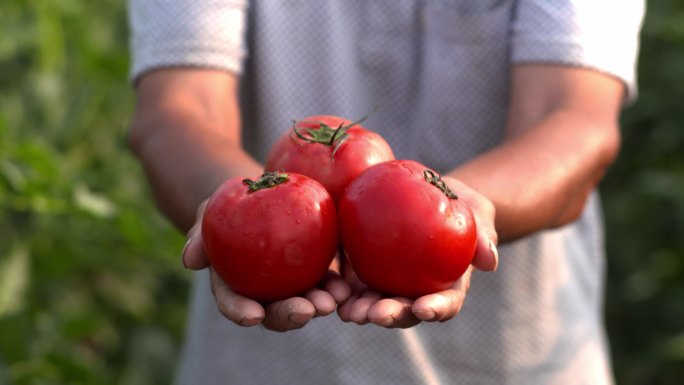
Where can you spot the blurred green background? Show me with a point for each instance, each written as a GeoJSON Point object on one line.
{"type": "Point", "coordinates": [91, 287]}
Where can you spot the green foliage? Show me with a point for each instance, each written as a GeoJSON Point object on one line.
{"type": "Point", "coordinates": [91, 289]}
{"type": "Point", "coordinates": [644, 203]}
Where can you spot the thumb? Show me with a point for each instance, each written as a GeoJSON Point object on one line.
{"type": "Point", "coordinates": [193, 255]}
{"type": "Point", "coordinates": [486, 255]}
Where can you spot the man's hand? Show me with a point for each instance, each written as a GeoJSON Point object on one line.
{"type": "Point", "coordinates": [366, 305]}
{"type": "Point", "coordinates": [284, 315]}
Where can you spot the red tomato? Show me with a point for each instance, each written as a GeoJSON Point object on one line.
{"type": "Point", "coordinates": [329, 149]}
{"type": "Point", "coordinates": [273, 238]}
{"type": "Point", "coordinates": [404, 232]}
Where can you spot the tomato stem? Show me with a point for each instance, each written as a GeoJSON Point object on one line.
{"type": "Point", "coordinates": [324, 134]}
{"type": "Point", "coordinates": [266, 180]}
{"type": "Point", "coordinates": [436, 180]}
{"type": "Point", "coordinates": [327, 135]}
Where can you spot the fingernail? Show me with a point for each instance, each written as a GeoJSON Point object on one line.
{"type": "Point", "coordinates": [495, 253]}
{"type": "Point", "coordinates": [439, 304]}
{"type": "Point", "coordinates": [249, 321]}
{"type": "Point", "coordinates": [183, 252]}
{"type": "Point", "coordinates": [299, 318]}
{"type": "Point", "coordinates": [425, 314]}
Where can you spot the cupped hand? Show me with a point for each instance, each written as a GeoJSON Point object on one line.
{"type": "Point", "coordinates": [368, 306]}
{"type": "Point", "coordinates": [288, 314]}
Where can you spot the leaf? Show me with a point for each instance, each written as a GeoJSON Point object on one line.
{"type": "Point", "coordinates": [14, 280]}
{"type": "Point", "coordinates": [673, 348]}
{"type": "Point", "coordinates": [95, 204]}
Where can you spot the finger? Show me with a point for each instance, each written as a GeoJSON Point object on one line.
{"type": "Point", "coordinates": [444, 305]}
{"type": "Point", "coordinates": [393, 313]}
{"type": "Point", "coordinates": [360, 307]}
{"type": "Point", "coordinates": [333, 290]}
{"type": "Point", "coordinates": [193, 255]}
{"type": "Point", "coordinates": [289, 314]}
{"type": "Point", "coordinates": [344, 309]}
{"type": "Point", "coordinates": [486, 255]}
{"type": "Point", "coordinates": [238, 309]}
{"type": "Point", "coordinates": [338, 288]}
{"type": "Point", "coordinates": [323, 301]}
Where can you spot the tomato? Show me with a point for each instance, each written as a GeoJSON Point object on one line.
{"type": "Point", "coordinates": [329, 149]}
{"type": "Point", "coordinates": [404, 231]}
{"type": "Point", "coordinates": [272, 238]}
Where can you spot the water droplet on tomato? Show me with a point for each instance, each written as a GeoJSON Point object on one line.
{"type": "Point", "coordinates": [460, 221]}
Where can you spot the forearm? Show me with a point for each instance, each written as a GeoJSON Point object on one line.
{"type": "Point", "coordinates": [188, 143]}
{"type": "Point", "coordinates": [187, 165]}
{"type": "Point", "coordinates": [541, 178]}
{"type": "Point", "coordinates": [561, 135]}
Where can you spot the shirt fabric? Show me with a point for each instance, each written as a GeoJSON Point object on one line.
{"type": "Point", "coordinates": [439, 72]}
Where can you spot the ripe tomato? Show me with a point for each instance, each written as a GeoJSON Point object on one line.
{"type": "Point", "coordinates": [272, 238]}
{"type": "Point", "coordinates": [329, 149]}
{"type": "Point", "coordinates": [404, 232]}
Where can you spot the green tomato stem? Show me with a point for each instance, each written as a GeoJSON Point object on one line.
{"type": "Point", "coordinates": [266, 180]}
{"type": "Point", "coordinates": [327, 135]}
{"type": "Point", "coordinates": [436, 180]}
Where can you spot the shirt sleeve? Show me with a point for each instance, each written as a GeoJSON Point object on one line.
{"type": "Point", "coordinates": [602, 35]}
{"type": "Point", "coordinates": [194, 33]}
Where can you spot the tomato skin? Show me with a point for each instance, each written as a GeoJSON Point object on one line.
{"type": "Point", "coordinates": [273, 243]}
{"type": "Point", "coordinates": [402, 235]}
{"type": "Point", "coordinates": [361, 149]}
